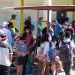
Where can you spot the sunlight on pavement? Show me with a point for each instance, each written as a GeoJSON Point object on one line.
{"type": "Point", "coordinates": [72, 73]}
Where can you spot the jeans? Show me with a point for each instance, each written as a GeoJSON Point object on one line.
{"type": "Point", "coordinates": [4, 70]}
{"type": "Point", "coordinates": [67, 67]}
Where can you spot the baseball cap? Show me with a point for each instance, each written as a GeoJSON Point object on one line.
{"type": "Point", "coordinates": [5, 23]}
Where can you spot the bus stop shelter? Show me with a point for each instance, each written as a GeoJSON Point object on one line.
{"type": "Point", "coordinates": [64, 8]}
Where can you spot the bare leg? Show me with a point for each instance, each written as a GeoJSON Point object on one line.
{"type": "Point", "coordinates": [19, 70]}
{"type": "Point", "coordinates": [44, 68]}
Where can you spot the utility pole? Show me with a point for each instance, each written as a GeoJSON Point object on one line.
{"type": "Point", "coordinates": [22, 18]}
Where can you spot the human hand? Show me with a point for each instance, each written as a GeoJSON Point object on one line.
{"type": "Point", "coordinates": [23, 54]}
{"type": "Point", "coordinates": [27, 52]}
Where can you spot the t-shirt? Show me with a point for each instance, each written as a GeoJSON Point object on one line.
{"type": "Point", "coordinates": [22, 47]}
{"type": "Point", "coordinates": [70, 31]}
{"type": "Point", "coordinates": [39, 26]}
{"type": "Point", "coordinates": [57, 30]}
{"type": "Point", "coordinates": [5, 50]}
{"type": "Point", "coordinates": [45, 47]}
{"type": "Point", "coordinates": [13, 21]}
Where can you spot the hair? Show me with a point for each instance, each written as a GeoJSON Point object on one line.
{"type": "Point", "coordinates": [10, 24]}
{"type": "Point", "coordinates": [26, 27]}
{"type": "Point", "coordinates": [53, 38]}
{"type": "Point", "coordinates": [24, 34]}
{"type": "Point", "coordinates": [73, 22]}
{"type": "Point", "coordinates": [40, 18]}
{"type": "Point", "coordinates": [13, 16]}
{"type": "Point", "coordinates": [67, 19]}
{"type": "Point", "coordinates": [44, 31]}
{"type": "Point", "coordinates": [22, 37]}
{"type": "Point", "coordinates": [38, 41]}
{"type": "Point", "coordinates": [67, 35]}
{"type": "Point", "coordinates": [45, 38]}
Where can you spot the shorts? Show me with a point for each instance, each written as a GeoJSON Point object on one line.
{"type": "Point", "coordinates": [21, 60]}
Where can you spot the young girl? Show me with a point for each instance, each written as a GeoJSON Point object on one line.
{"type": "Point", "coordinates": [22, 52]}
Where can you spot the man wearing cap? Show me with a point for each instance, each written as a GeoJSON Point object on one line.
{"type": "Point", "coordinates": [7, 32]}
{"type": "Point", "coordinates": [5, 55]}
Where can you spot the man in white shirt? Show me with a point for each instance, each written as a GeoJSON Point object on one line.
{"type": "Point", "coordinates": [5, 55]}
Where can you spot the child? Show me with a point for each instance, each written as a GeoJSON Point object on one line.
{"type": "Point", "coordinates": [22, 52]}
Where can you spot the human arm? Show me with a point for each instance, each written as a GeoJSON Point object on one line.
{"type": "Point", "coordinates": [40, 25]}
{"type": "Point", "coordinates": [19, 53]}
{"type": "Point", "coordinates": [10, 52]}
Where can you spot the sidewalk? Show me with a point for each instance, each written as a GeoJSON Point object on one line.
{"type": "Point", "coordinates": [36, 71]}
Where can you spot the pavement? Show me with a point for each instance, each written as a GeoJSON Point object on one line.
{"type": "Point", "coordinates": [72, 73]}
{"type": "Point", "coordinates": [37, 71]}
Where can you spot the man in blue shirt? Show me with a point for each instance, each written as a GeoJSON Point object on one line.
{"type": "Point", "coordinates": [57, 28]}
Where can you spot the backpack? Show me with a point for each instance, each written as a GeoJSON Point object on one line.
{"type": "Point", "coordinates": [50, 53]}
{"type": "Point", "coordinates": [65, 51]}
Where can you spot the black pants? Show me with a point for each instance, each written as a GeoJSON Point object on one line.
{"type": "Point", "coordinates": [4, 70]}
{"type": "Point", "coordinates": [67, 67]}
{"type": "Point", "coordinates": [24, 65]}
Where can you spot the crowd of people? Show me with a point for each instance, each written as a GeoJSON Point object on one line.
{"type": "Point", "coordinates": [56, 47]}
{"type": "Point", "coordinates": [52, 48]}
{"type": "Point", "coordinates": [7, 35]}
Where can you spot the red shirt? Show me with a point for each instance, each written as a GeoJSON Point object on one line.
{"type": "Point", "coordinates": [73, 26]}
{"type": "Point", "coordinates": [29, 39]}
